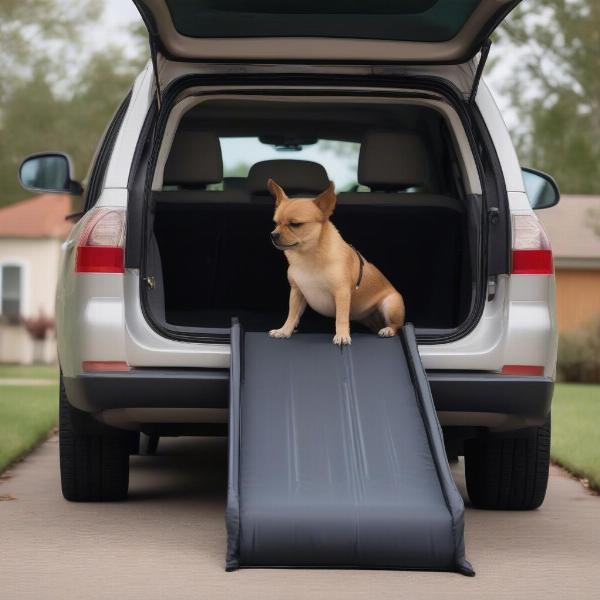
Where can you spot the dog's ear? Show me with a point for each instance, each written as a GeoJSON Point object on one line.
{"type": "Point", "coordinates": [326, 200]}
{"type": "Point", "coordinates": [277, 192]}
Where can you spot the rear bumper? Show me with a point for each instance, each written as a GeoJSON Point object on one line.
{"type": "Point", "coordinates": [149, 388]}
{"type": "Point", "coordinates": [491, 400]}
{"type": "Point", "coordinates": [458, 396]}
{"type": "Point", "coordinates": [521, 396]}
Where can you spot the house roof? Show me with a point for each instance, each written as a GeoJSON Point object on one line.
{"type": "Point", "coordinates": [574, 241]}
{"type": "Point", "coordinates": [42, 216]}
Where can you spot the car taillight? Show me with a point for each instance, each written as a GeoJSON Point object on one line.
{"type": "Point", "coordinates": [531, 254]}
{"type": "Point", "coordinates": [100, 246]}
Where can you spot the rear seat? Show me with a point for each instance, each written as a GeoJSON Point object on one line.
{"type": "Point", "coordinates": [380, 222]}
{"type": "Point", "coordinates": [194, 163]}
{"type": "Point", "coordinates": [224, 234]}
{"type": "Point", "coordinates": [390, 163]}
{"type": "Point", "coordinates": [297, 177]}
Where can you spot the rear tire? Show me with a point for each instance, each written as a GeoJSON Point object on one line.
{"type": "Point", "coordinates": [509, 472]}
{"type": "Point", "coordinates": [94, 458]}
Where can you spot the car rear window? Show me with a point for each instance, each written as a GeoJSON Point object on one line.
{"type": "Point", "coordinates": [340, 158]}
{"type": "Point", "coordinates": [400, 20]}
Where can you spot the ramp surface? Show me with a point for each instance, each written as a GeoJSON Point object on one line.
{"type": "Point", "coordinates": [336, 457]}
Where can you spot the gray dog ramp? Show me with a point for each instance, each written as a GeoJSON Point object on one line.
{"type": "Point", "coordinates": [336, 457]}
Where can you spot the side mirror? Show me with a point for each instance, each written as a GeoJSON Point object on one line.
{"type": "Point", "coordinates": [541, 189]}
{"type": "Point", "coordinates": [49, 172]}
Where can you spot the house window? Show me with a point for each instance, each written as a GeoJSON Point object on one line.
{"type": "Point", "coordinates": [11, 279]}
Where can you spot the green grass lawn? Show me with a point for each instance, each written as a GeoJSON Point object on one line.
{"type": "Point", "coordinates": [576, 430]}
{"type": "Point", "coordinates": [27, 372]}
{"type": "Point", "coordinates": [27, 412]}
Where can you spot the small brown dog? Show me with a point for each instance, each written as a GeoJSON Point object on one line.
{"type": "Point", "coordinates": [327, 273]}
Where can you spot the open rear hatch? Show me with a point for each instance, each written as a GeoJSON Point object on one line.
{"type": "Point", "coordinates": [445, 39]}
{"type": "Point", "coordinates": [422, 33]}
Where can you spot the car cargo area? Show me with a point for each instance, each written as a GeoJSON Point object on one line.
{"type": "Point", "coordinates": [403, 207]}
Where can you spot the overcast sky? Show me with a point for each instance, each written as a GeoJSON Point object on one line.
{"type": "Point", "coordinates": [118, 15]}
{"type": "Point", "coordinates": [120, 12]}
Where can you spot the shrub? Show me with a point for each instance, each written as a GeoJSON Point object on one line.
{"type": "Point", "coordinates": [579, 354]}
{"type": "Point", "coordinates": [38, 327]}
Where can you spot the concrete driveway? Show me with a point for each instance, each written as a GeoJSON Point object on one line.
{"type": "Point", "coordinates": [168, 541]}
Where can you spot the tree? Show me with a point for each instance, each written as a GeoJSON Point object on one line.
{"type": "Point", "coordinates": [555, 88]}
{"type": "Point", "coordinates": [36, 118]}
{"type": "Point", "coordinates": [28, 28]}
{"type": "Point", "coordinates": [42, 107]}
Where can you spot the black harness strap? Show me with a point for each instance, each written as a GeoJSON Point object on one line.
{"type": "Point", "coordinates": [361, 265]}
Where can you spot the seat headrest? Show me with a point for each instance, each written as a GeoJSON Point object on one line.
{"type": "Point", "coordinates": [296, 177]}
{"type": "Point", "coordinates": [194, 160]}
{"type": "Point", "coordinates": [390, 161]}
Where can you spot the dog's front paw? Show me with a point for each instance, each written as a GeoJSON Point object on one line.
{"type": "Point", "coordinates": [342, 339]}
{"type": "Point", "coordinates": [280, 333]}
{"type": "Point", "coordinates": [387, 332]}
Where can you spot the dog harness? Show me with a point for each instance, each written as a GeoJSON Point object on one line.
{"type": "Point", "coordinates": [361, 265]}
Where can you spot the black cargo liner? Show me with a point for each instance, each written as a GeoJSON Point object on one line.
{"type": "Point", "coordinates": [217, 262]}
{"type": "Point", "coordinates": [147, 153]}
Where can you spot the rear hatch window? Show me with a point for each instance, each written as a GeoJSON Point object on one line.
{"type": "Point", "coordinates": [404, 31]}
{"type": "Point", "coordinates": [406, 20]}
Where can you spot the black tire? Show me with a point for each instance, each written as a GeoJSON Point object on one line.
{"type": "Point", "coordinates": [509, 472]}
{"type": "Point", "coordinates": [94, 458]}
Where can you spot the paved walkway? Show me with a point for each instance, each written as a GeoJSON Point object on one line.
{"type": "Point", "coordinates": [168, 541]}
{"type": "Point", "coordinates": [28, 382]}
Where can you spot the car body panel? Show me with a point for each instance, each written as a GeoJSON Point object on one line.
{"type": "Point", "coordinates": [100, 316]}
{"type": "Point", "coordinates": [507, 155]}
{"type": "Point", "coordinates": [117, 173]}
{"type": "Point", "coordinates": [460, 76]}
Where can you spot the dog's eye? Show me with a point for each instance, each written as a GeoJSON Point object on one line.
{"type": "Point", "coordinates": [295, 225]}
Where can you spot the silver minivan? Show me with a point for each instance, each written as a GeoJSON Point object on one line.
{"type": "Point", "coordinates": [385, 99]}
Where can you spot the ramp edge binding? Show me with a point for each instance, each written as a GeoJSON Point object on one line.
{"type": "Point", "coordinates": [435, 437]}
{"type": "Point", "coordinates": [232, 510]}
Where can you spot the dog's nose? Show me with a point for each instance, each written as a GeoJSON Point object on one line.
{"type": "Point", "coordinates": [275, 235]}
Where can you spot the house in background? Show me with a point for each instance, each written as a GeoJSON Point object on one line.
{"type": "Point", "coordinates": [576, 248]}
{"type": "Point", "coordinates": [31, 233]}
